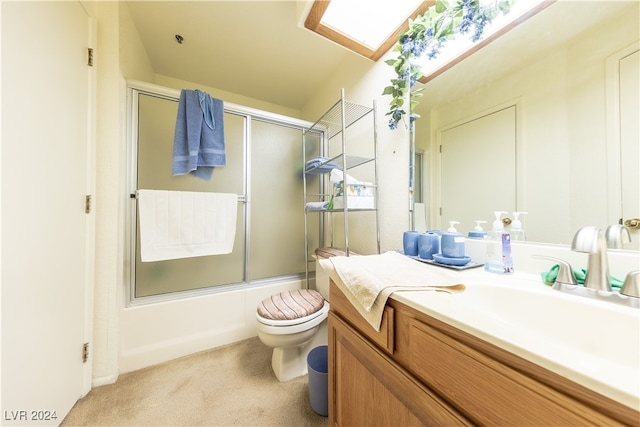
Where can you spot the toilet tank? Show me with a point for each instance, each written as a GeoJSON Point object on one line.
{"type": "Point", "coordinates": [322, 277]}
{"type": "Point", "coordinates": [322, 280]}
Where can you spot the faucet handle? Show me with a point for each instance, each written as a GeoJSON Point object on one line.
{"type": "Point", "coordinates": [565, 273]}
{"type": "Point", "coordinates": [631, 286]}
{"type": "Point", "coordinates": [616, 235]}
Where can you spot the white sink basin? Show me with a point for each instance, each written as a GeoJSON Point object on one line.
{"type": "Point", "coordinates": [595, 328]}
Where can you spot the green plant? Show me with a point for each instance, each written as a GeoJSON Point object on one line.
{"type": "Point", "coordinates": [426, 35]}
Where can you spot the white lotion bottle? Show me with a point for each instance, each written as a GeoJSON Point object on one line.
{"type": "Point", "coordinates": [517, 232]}
{"type": "Point", "coordinates": [498, 259]}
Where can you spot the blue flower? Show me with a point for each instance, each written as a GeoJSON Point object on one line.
{"type": "Point", "coordinates": [419, 47]}
{"type": "Point", "coordinates": [465, 25]}
{"type": "Point", "coordinates": [407, 46]}
{"type": "Point", "coordinates": [411, 74]}
{"type": "Point", "coordinates": [435, 49]}
{"type": "Point", "coordinates": [480, 21]}
{"type": "Point", "coordinates": [413, 47]}
{"type": "Point", "coordinates": [468, 17]}
{"type": "Point", "coordinates": [428, 35]}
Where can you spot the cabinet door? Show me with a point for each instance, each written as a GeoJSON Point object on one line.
{"type": "Point", "coordinates": [366, 388]}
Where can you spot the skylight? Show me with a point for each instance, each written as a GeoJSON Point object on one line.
{"type": "Point", "coordinates": [371, 28]}
{"type": "Point", "coordinates": [373, 25]}
{"type": "Point", "coordinates": [459, 48]}
{"type": "Point", "coordinates": [367, 27]}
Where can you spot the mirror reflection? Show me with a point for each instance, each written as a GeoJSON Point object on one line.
{"type": "Point", "coordinates": [543, 120]}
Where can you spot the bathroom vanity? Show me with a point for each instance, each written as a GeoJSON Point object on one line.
{"type": "Point", "coordinates": [419, 370]}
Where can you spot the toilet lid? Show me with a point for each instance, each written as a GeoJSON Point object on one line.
{"type": "Point", "coordinates": [291, 305]}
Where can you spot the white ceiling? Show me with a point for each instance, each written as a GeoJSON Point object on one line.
{"type": "Point", "coordinates": [252, 48]}
{"type": "Point", "coordinates": [257, 49]}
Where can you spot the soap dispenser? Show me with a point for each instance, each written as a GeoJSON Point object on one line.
{"type": "Point", "coordinates": [517, 232]}
{"type": "Point", "coordinates": [452, 242]}
{"type": "Point", "coordinates": [498, 258]}
{"type": "Point", "coordinates": [478, 232]}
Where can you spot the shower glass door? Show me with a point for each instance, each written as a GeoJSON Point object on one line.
{"type": "Point", "coordinates": [276, 204]}
{"type": "Point", "coordinates": [263, 168]}
{"type": "Point", "coordinates": [156, 125]}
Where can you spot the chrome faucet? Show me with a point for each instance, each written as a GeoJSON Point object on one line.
{"type": "Point", "coordinates": [616, 235]}
{"type": "Point", "coordinates": [591, 240]}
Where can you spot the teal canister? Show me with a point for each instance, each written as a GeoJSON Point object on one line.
{"type": "Point", "coordinates": [452, 244]}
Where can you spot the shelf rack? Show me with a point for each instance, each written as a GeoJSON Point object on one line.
{"type": "Point", "coordinates": [334, 123]}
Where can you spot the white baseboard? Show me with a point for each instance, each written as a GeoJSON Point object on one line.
{"type": "Point", "coordinates": [105, 380]}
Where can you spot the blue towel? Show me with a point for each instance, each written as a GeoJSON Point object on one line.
{"type": "Point", "coordinates": [320, 165]}
{"type": "Point", "coordinates": [198, 144]}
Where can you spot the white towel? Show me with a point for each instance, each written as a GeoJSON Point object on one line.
{"type": "Point", "coordinates": [183, 224]}
{"type": "Point", "coordinates": [367, 281]}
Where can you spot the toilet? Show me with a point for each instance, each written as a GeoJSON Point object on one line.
{"type": "Point", "coordinates": [293, 323]}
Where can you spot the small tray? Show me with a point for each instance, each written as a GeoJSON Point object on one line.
{"type": "Point", "coordinates": [471, 264]}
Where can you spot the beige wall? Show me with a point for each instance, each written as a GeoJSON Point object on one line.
{"type": "Point", "coordinates": [230, 97]}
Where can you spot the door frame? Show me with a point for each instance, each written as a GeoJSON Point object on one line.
{"type": "Point", "coordinates": [90, 244]}
{"type": "Point", "coordinates": [436, 159]}
{"type": "Point", "coordinates": [614, 192]}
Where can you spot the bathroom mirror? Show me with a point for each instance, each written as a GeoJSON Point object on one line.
{"type": "Point", "coordinates": [569, 77]}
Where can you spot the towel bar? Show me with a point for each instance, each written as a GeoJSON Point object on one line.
{"type": "Point", "coordinates": [241, 197]}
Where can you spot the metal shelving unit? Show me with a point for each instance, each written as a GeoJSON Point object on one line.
{"type": "Point", "coordinates": [335, 123]}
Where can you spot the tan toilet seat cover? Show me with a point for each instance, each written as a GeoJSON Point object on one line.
{"type": "Point", "coordinates": [291, 305]}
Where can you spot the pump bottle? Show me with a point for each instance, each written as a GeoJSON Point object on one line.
{"type": "Point", "coordinates": [498, 259]}
{"type": "Point", "coordinates": [478, 232]}
{"type": "Point", "coordinates": [517, 232]}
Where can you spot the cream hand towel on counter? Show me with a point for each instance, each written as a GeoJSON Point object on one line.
{"type": "Point", "coordinates": [184, 224]}
{"type": "Point", "coordinates": [367, 281]}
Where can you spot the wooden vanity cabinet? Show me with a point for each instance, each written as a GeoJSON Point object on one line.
{"type": "Point", "coordinates": [418, 370]}
{"type": "Point", "coordinates": [366, 386]}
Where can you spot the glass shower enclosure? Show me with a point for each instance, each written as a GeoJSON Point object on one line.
{"type": "Point", "coordinates": [264, 166]}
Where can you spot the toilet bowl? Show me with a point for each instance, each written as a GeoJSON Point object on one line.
{"type": "Point", "coordinates": [293, 338]}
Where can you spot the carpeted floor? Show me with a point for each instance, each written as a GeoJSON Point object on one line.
{"type": "Point", "coordinates": [228, 386]}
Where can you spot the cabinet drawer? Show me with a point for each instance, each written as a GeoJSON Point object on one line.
{"type": "Point", "coordinates": [487, 391]}
{"type": "Point", "coordinates": [343, 307]}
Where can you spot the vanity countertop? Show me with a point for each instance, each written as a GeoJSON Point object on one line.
{"type": "Point", "coordinates": [593, 343]}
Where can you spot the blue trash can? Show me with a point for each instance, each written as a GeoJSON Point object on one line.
{"type": "Point", "coordinates": [318, 368]}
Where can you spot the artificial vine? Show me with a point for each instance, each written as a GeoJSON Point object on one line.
{"type": "Point", "coordinates": [426, 35]}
